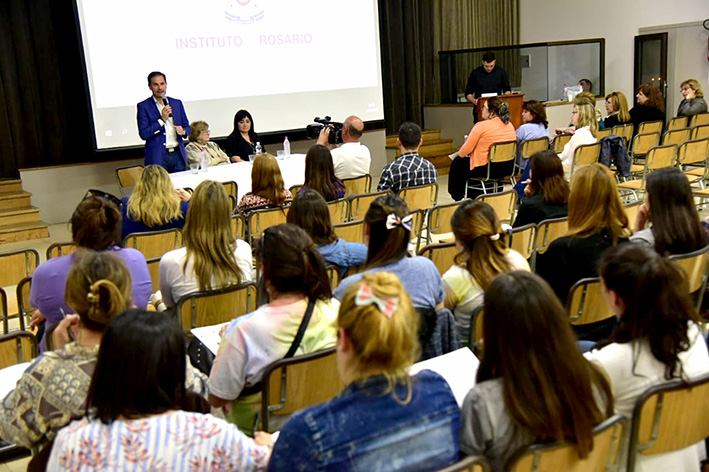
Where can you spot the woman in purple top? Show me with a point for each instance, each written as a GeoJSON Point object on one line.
{"type": "Point", "coordinates": [95, 224]}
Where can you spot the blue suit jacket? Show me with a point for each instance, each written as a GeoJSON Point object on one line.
{"type": "Point", "coordinates": [154, 134]}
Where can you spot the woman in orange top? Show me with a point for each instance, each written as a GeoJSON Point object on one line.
{"type": "Point", "coordinates": [495, 128]}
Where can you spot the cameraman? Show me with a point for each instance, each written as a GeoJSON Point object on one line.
{"type": "Point", "coordinates": [352, 158]}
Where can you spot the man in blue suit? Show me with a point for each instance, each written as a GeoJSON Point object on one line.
{"type": "Point", "coordinates": [162, 123]}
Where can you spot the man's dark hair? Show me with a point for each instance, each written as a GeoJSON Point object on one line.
{"type": "Point", "coordinates": [489, 56]}
{"type": "Point", "coordinates": [155, 74]}
{"type": "Point", "coordinates": [586, 81]}
{"type": "Point", "coordinates": [410, 135]}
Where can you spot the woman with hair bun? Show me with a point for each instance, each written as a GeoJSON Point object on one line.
{"type": "Point", "coordinates": [473, 155]}
{"type": "Point", "coordinates": [385, 419]}
{"type": "Point", "coordinates": [483, 255]}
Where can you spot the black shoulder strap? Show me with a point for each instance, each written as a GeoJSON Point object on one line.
{"type": "Point", "coordinates": [301, 330]}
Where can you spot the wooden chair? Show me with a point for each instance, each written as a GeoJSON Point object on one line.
{"type": "Point", "coordinates": [60, 249]}
{"type": "Point", "coordinates": [559, 142]}
{"type": "Point", "coordinates": [352, 232]}
{"type": "Point", "coordinates": [692, 158]}
{"type": "Point", "coordinates": [359, 204]}
{"type": "Point", "coordinates": [438, 220]}
{"type": "Point", "coordinates": [695, 266]}
{"type": "Point", "coordinates": [442, 255]}
{"type": "Point", "coordinates": [24, 307]}
{"type": "Point", "coordinates": [469, 464]}
{"type": "Point", "coordinates": [678, 122]}
{"type": "Point", "coordinates": [669, 417]}
{"type": "Point", "coordinates": [700, 119]}
{"type": "Point", "coordinates": [659, 157]}
{"type": "Point", "coordinates": [420, 197]}
{"type": "Point", "coordinates": [238, 227]}
{"type": "Point", "coordinates": [294, 189]}
{"type": "Point", "coordinates": [499, 168]}
{"type": "Point", "coordinates": [258, 220]}
{"type": "Point", "coordinates": [533, 146]}
{"type": "Point", "coordinates": [602, 133]}
{"type": "Point", "coordinates": [624, 131]}
{"type": "Point", "coordinates": [358, 185]}
{"type": "Point", "coordinates": [607, 438]}
{"type": "Point", "coordinates": [338, 210]}
{"type": "Point", "coordinates": [641, 145]}
{"type": "Point", "coordinates": [298, 382]}
{"type": "Point", "coordinates": [522, 240]}
{"type": "Point", "coordinates": [475, 337]}
{"type": "Point", "coordinates": [153, 245]}
{"type": "Point", "coordinates": [418, 235]}
{"type": "Point", "coordinates": [584, 155]}
{"type": "Point", "coordinates": [334, 274]}
{"type": "Point", "coordinates": [504, 204]}
{"type": "Point", "coordinates": [700, 132]}
{"type": "Point", "coordinates": [631, 211]}
{"type": "Point", "coordinates": [16, 265]}
{"type": "Point", "coordinates": [127, 177]}
{"type": "Point", "coordinates": [650, 127]}
{"type": "Point", "coordinates": [676, 136]}
{"type": "Point", "coordinates": [232, 189]}
{"type": "Point", "coordinates": [16, 348]}
{"type": "Point", "coordinates": [546, 233]}
{"type": "Point", "coordinates": [216, 306]}
{"type": "Point", "coordinates": [585, 303]}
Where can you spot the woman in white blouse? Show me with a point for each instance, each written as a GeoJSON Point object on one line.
{"type": "Point", "coordinates": [583, 117]}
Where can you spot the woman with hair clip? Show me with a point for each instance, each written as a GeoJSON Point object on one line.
{"type": "Point", "coordinates": [320, 174]}
{"type": "Point", "coordinates": [241, 142]}
{"type": "Point", "coordinates": [211, 257]}
{"type": "Point", "coordinates": [135, 416]}
{"type": "Point", "coordinates": [473, 155]}
{"type": "Point", "coordinates": [309, 211]}
{"type": "Point", "coordinates": [669, 205]}
{"type": "Point", "coordinates": [95, 225]}
{"type": "Point", "coordinates": [650, 107]}
{"type": "Point", "coordinates": [546, 190]}
{"type": "Point", "coordinates": [533, 384]}
{"type": "Point", "coordinates": [387, 420]}
{"type": "Point", "coordinates": [387, 232]}
{"type": "Point", "coordinates": [617, 109]}
{"type": "Point", "coordinates": [483, 253]}
{"type": "Point", "coordinates": [658, 338]}
{"type": "Point", "coordinates": [299, 296]}
{"type": "Point", "coordinates": [155, 204]}
{"type": "Point", "coordinates": [267, 187]}
{"type": "Point", "coordinates": [583, 117]}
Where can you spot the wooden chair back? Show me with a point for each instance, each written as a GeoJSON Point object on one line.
{"type": "Point", "coordinates": [438, 220]}
{"type": "Point", "coordinates": [602, 133]}
{"type": "Point", "coordinates": [418, 236]}
{"type": "Point", "coordinates": [60, 249]}
{"type": "Point", "coordinates": [695, 266]}
{"type": "Point", "coordinates": [5, 311]}
{"type": "Point", "coordinates": [442, 255]}
{"type": "Point", "coordinates": [231, 189]}
{"type": "Point", "coordinates": [700, 132]}
{"type": "Point", "coordinates": [676, 136]}
{"type": "Point", "coordinates": [16, 348]}
{"type": "Point", "coordinates": [700, 119]}
{"type": "Point", "coordinates": [522, 240]}
{"type": "Point", "coordinates": [475, 340]}
{"type": "Point", "coordinates": [334, 274]}
{"type": "Point", "coordinates": [694, 152]}
{"type": "Point", "coordinates": [586, 304]}
{"type": "Point", "coordinates": [584, 155]}
{"type": "Point", "coordinates": [546, 233]}
{"type": "Point", "coordinates": [678, 122]}
{"type": "Point", "coordinates": [504, 204]}
{"type": "Point", "coordinates": [559, 142]}
{"type": "Point", "coordinates": [16, 265]}
{"type": "Point", "coordinates": [359, 204]}
{"type": "Point", "coordinates": [420, 197]}
{"type": "Point", "coordinates": [469, 464]}
{"type": "Point", "coordinates": [642, 143]}
{"type": "Point", "coordinates": [24, 307]}
{"type": "Point", "coordinates": [650, 127]}
{"type": "Point", "coordinates": [669, 417]}
{"type": "Point", "coordinates": [631, 211]}
{"type": "Point", "coordinates": [358, 185]}
{"type": "Point", "coordinates": [563, 456]}
{"type": "Point", "coordinates": [624, 131]}
{"type": "Point", "coordinates": [153, 245]}
{"type": "Point", "coordinates": [298, 382]}
{"type": "Point", "coordinates": [258, 220]}
{"type": "Point", "coordinates": [128, 176]}
{"type": "Point", "coordinates": [238, 227]}
{"type": "Point", "coordinates": [660, 157]}
{"type": "Point", "coordinates": [533, 146]}
{"type": "Point", "coordinates": [294, 189]}
{"type": "Point", "coordinates": [503, 152]}
{"type": "Point", "coordinates": [216, 306]}
{"type": "Point", "coordinates": [352, 232]}
{"type": "Point", "coordinates": [338, 210]}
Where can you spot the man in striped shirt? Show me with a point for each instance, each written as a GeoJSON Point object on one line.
{"type": "Point", "coordinates": [410, 169]}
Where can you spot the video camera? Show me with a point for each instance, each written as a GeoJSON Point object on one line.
{"type": "Point", "coordinates": [313, 131]}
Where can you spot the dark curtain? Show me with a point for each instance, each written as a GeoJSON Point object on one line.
{"type": "Point", "coordinates": [406, 30]}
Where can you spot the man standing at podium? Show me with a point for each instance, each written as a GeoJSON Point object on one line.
{"type": "Point", "coordinates": [487, 79]}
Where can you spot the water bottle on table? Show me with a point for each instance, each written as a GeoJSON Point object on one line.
{"type": "Point", "coordinates": [286, 147]}
{"type": "Point", "coordinates": [203, 162]}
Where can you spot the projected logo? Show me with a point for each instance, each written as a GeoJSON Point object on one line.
{"type": "Point", "coordinates": [243, 12]}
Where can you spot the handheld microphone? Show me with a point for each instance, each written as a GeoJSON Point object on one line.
{"type": "Point", "coordinates": [165, 102]}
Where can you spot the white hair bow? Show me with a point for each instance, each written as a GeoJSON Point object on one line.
{"type": "Point", "coordinates": [393, 221]}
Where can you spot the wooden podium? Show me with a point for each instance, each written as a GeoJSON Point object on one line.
{"type": "Point", "coordinates": [514, 101]}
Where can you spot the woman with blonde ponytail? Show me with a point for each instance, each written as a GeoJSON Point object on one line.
{"type": "Point", "coordinates": [483, 254]}
{"type": "Point", "coordinates": [385, 419]}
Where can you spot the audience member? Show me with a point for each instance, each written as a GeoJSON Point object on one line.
{"type": "Point", "coordinates": [409, 169]}
{"type": "Point", "coordinates": [310, 212]}
{"type": "Point", "coordinates": [267, 187]}
{"type": "Point", "coordinates": [583, 98]}
{"type": "Point", "coordinates": [546, 190]}
{"type": "Point", "coordinates": [534, 126]}
{"type": "Point", "coordinates": [199, 141]}
{"type": "Point", "coordinates": [320, 175]}
{"type": "Point", "coordinates": [483, 253]}
{"type": "Point", "coordinates": [583, 117]}
{"type": "Point", "coordinates": [241, 142]}
{"type": "Point", "coordinates": [298, 289]}
{"type": "Point", "coordinates": [95, 224]}
{"type": "Point", "coordinates": [154, 205]}
{"type": "Point", "coordinates": [351, 159]}
{"type": "Point", "coordinates": [693, 102]}
{"type": "Point", "coordinates": [472, 157]}
{"type": "Point", "coordinates": [669, 205]}
{"type": "Point", "coordinates": [617, 109]}
{"type": "Point", "coordinates": [211, 258]}
{"type": "Point", "coordinates": [135, 417]}
{"type": "Point", "coordinates": [387, 420]}
{"type": "Point", "coordinates": [586, 85]}
{"type": "Point", "coordinates": [657, 339]}
{"type": "Point", "coordinates": [650, 107]}
{"type": "Point", "coordinates": [533, 384]}
{"type": "Point", "coordinates": [387, 233]}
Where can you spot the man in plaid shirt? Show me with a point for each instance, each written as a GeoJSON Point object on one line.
{"type": "Point", "coordinates": [410, 169]}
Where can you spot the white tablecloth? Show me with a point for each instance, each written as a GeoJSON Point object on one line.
{"type": "Point", "coordinates": [292, 169]}
{"type": "Point", "coordinates": [9, 377]}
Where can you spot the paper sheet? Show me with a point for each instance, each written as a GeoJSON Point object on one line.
{"type": "Point", "coordinates": [458, 368]}
{"type": "Point", "coordinates": [209, 335]}
{"type": "Point", "coordinates": [9, 377]}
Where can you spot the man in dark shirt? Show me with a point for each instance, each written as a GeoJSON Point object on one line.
{"type": "Point", "coordinates": [487, 79]}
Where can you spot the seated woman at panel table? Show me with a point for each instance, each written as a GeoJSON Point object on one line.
{"type": "Point", "coordinates": [139, 418]}
{"type": "Point", "coordinates": [320, 174]}
{"type": "Point", "coordinates": [155, 204]}
{"type": "Point", "coordinates": [546, 191]}
{"type": "Point", "coordinates": [309, 211]}
{"type": "Point", "coordinates": [617, 109]}
{"type": "Point", "coordinates": [473, 154]}
{"type": "Point", "coordinates": [387, 420]}
{"type": "Point", "coordinates": [583, 117]}
{"type": "Point", "coordinates": [483, 254]}
{"type": "Point", "coordinates": [650, 107]}
{"type": "Point", "coordinates": [267, 188]}
{"type": "Point", "coordinates": [241, 143]}
{"type": "Point", "coordinates": [95, 224]}
{"type": "Point", "coordinates": [211, 258]}
{"type": "Point", "coordinates": [199, 141]}
{"type": "Point", "coordinates": [533, 384]}
{"type": "Point", "coordinates": [295, 279]}
{"type": "Point", "coordinates": [693, 102]}
{"type": "Point", "coordinates": [669, 205]}
{"type": "Point", "coordinates": [658, 338]}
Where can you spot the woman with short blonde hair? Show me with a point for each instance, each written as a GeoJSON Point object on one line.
{"type": "Point", "coordinates": [693, 102]}
{"type": "Point", "coordinates": [267, 187]}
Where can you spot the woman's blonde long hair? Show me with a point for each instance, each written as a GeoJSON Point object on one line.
{"type": "Point", "coordinates": [154, 202]}
{"type": "Point", "coordinates": [208, 237]}
{"type": "Point", "coordinates": [587, 117]}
